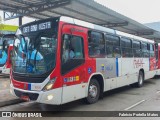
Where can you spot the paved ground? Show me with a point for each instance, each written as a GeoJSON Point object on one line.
{"type": "Point", "coordinates": [5, 97]}
{"type": "Point", "coordinates": [146, 98]}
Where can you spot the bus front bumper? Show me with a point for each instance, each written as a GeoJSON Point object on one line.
{"type": "Point", "coordinates": [47, 97]}
{"type": "Point", "coordinates": [6, 71]}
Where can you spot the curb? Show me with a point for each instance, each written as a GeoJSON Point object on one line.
{"type": "Point", "coordinates": [11, 102]}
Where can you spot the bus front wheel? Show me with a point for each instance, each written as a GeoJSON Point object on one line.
{"type": "Point", "coordinates": [93, 92]}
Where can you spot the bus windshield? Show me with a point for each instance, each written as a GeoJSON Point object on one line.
{"type": "Point", "coordinates": [5, 41]}
{"type": "Point", "coordinates": [34, 53]}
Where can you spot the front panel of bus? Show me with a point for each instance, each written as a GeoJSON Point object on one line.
{"type": "Point", "coordinates": [35, 60]}
{"type": "Point", "coordinates": [43, 67]}
{"type": "Point", "coordinates": [5, 43]}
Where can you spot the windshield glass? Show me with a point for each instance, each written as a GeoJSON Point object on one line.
{"type": "Point", "coordinates": [35, 52]}
{"type": "Point", "coordinates": [5, 41]}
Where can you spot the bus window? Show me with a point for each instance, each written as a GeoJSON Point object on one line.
{"type": "Point", "coordinates": [156, 51]}
{"type": "Point", "coordinates": [151, 50]}
{"type": "Point", "coordinates": [145, 48]}
{"type": "Point", "coordinates": [72, 52]}
{"type": "Point", "coordinates": [137, 49]}
{"type": "Point", "coordinates": [112, 46]}
{"type": "Point", "coordinates": [96, 45]}
{"type": "Point", "coordinates": [126, 46]}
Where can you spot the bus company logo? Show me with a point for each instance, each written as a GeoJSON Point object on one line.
{"type": "Point", "coordinates": [6, 114]}
{"type": "Point", "coordinates": [109, 68]}
{"type": "Point", "coordinates": [102, 67]}
{"type": "Point", "coordinates": [106, 68]}
{"type": "Point", "coordinates": [89, 70]}
{"type": "Point", "coordinates": [138, 63]}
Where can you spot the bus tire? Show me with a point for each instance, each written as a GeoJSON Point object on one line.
{"type": "Point", "coordinates": [140, 79]}
{"type": "Point", "coordinates": [93, 92]}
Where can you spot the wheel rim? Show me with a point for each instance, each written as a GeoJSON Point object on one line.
{"type": "Point", "coordinates": [93, 91]}
{"type": "Point", "coordinates": [140, 80]}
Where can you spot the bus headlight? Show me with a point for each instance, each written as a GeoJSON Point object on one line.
{"type": "Point", "coordinates": [49, 85]}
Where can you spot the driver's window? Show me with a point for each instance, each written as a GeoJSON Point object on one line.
{"type": "Point", "coordinates": [68, 53]}
{"type": "Point", "coordinates": [72, 48]}
{"type": "Point", "coordinates": [72, 52]}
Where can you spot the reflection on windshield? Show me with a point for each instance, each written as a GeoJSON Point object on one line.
{"type": "Point", "coordinates": [34, 54]}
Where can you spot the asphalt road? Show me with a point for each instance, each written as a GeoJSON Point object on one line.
{"type": "Point", "coordinates": [126, 98]}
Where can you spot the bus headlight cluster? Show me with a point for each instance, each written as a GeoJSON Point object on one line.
{"type": "Point", "coordinates": [49, 85]}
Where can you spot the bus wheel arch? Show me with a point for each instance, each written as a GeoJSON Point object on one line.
{"type": "Point", "coordinates": [96, 78]}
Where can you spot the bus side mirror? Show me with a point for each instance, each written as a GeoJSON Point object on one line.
{"type": "Point", "coordinates": [3, 45]}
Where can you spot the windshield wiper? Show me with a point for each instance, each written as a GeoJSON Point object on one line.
{"type": "Point", "coordinates": [36, 44]}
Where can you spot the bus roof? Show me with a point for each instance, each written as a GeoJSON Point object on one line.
{"type": "Point", "coordinates": [101, 28]}
{"type": "Point", "coordinates": [86, 24]}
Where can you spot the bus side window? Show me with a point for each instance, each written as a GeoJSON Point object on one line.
{"type": "Point", "coordinates": [137, 48]}
{"type": "Point", "coordinates": [152, 53]}
{"type": "Point", "coordinates": [112, 46]}
{"type": "Point", "coordinates": [145, 49]}
{"type": "Point", "coordinates": [126, 46]}
{"type": "Point", "coordinates": [96, 44]}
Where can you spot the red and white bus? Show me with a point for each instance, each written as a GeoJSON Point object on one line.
{"type": "Point", "coordinates": [59, 60]}
{"type": "Point", "coordinates": [6, 46]}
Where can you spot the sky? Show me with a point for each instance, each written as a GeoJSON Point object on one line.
{"type": "Point", "coordinates": [143, 11]}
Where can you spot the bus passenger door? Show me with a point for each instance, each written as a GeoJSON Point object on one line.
{"type": "Point", "coordinates": [73, 63]}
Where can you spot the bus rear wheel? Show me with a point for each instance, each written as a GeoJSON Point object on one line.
{"type": "Point", "coordinates": [93, 92]}
{"type": "Point", "coordinates": [140, 79]}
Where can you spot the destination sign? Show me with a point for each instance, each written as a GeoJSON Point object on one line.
{"type": "Point", "coordinates": [37, 27]}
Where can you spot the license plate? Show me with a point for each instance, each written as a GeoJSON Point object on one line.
{"type": "Point", "coordinates": [25, 97]}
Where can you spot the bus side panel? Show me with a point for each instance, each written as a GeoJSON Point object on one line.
{"type": "Point", "coordinates": [158, 61]}
{"type": "Point", "coordinates": [75, 82]}
{"type": "Point", "coordinates": [152, 69]}
{"type": "Point", "coordinates": [128, 70]}
{"type": "Point", "coordinates": [110, 70]}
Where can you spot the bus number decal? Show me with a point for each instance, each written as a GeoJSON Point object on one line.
{"type": "Point", "coordinates": [138, 63]}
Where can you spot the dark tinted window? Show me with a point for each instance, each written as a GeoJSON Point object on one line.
{"type": "Point", "coordinates": [112, 40]}
{"type": "Point", "coordinates": [126, 43]}
{"type": "Point", "coordinates": [112, 46]}
{"type": "Point", "coordinates": [136, 45]}
{"type": "Point", "coordinates": [136, 48]}
{"type": "Point", "coordinates": [156, 51]}
{"type": "Point", "coordinates": [72, 52]}
{"type": "Point", "coordinates": [126, 46]}
{"type": "Point", "coordinates": [151, 50]}
{"type": "Point", "coordinates": [145, 49]}
{"type": "Point", "coordinates": [96, 44]}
